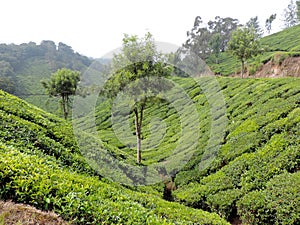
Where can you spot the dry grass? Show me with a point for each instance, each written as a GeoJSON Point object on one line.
{"type": "Point", "coordinates": [20, 214]}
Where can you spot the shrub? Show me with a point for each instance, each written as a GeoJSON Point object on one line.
{"type": "Point", "coordinates": [278, 204]}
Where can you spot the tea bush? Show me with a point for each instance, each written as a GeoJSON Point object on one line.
{"type": "Point", "coordinates": [86, 200]}
{"type": "Point", "coordinates": [261, 142]}
{"type": "Point", "coordinates": [278, 203]}
{"type": "Point", "coordinates": [41, 165]}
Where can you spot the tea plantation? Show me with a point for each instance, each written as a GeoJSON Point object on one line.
{"type": "Point", "coordinates": [40, 165]}
{"type": "Point", "coordinates": [276, 48]}
{"type": "Point", "coordinates": [254, 175]}
{"type": "Point", "coordinates": [244, 136]}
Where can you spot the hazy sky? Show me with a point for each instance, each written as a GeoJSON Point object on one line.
{"type": "Point", "coordinates": [95, 27]}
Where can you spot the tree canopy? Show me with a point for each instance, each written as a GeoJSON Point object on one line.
{"type": "Point", "coordinates": [137, 71]}
{"type": "Point", "coordinates": [244, 45]}
{"type": "Point", "coordinates": [199, 38]}
{"type": "Point", "coordinates": [63, 83]}
{"type": "Point", "coordinates": [253, 23]}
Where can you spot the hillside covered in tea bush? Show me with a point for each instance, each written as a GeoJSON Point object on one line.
{"type": "Point", "coordinates": [254, 176]}
{"type": "Point", "coordinates": [256, 143]}
{"type": "Point", "coordinates": [275, 48]}
{"type": "Point", "coordinates": [40, 165]}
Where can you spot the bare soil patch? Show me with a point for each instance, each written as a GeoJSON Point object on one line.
{"type": "Point", "coordinates": [21, 214]}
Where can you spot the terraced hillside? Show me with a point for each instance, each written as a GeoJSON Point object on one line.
{"type": "Point", "coordinates": [254, 134]}
{"type": "Point", "coordinates": [40, 165]}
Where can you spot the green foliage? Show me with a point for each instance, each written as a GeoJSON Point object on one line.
{"type": "Point", "coordinates": [86, 200]}
{"type": "Point", "coordinates": [38, 132]}
{"type": "Point", "coordinates": [277, 204]}
{"type": "Point", "coordinates": [63, 83]}
{"type": "Point", "coordinates": [26, 64]}
{"type": "Point", "coordinates": [284, 42]}
{"type": "Point", "coordinates": [137, 72]}
{"type": "Point", "coordinates": [40, 165]}
{"type": "Point", "coordinates": [244, 44]}
{"type": "Point", "coordinates": [254, 176]}
{"type": "Point", "coordinates": [261, 142]}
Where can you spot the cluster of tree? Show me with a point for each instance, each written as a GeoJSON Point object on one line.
{"type": "Point", "coordinates": [244, 42]}
{"type": "Point", "coordinates": [137, 71]}
{"type": "Point", "coordinates": [206, 41]}
{"type": "Point", "coordinates": [211, 38]}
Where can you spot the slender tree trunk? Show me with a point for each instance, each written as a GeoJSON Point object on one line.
{"type": "Point", "coordinates": [138, 137]}
{"type": "Point", "coordinates": [138, 131]}
{"type": "Point", "coordinates": [138, 150]}
{"type": "Point", "coordinates": [243, 68]}
{"type": "Point", "coordinates": [64, 106]}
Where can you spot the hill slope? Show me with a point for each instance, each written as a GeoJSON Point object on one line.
{"type": "Point", "coordinates": [22, 67]}
{"type": "Point", "coordinates": [260, 149]}
{"type": "Point", "coordinates": [277, 46]}
{"type": "Point", "coordinates": [40, 165]}
{"type": "Point", "coordinates": [257, 144]}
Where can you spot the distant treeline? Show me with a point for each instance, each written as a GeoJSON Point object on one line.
{"type": "Point", "coordinates": [16, 60]}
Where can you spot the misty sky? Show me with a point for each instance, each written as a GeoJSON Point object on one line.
{"type": "Point", "coordinates": [94, 28]}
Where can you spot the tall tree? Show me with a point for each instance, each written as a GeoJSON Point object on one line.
{"type": "Point", "coordinates": [205, 41]}
{"type": "Point", "coordinates": [224, 27]}
{"type": "Point", "coordinates": [290, 15]}
{"type": "Point", "coordinates": [198, 39]}
{"type": "Point", "coordinates": [137, 71]}
{"type": "Point", "coordinates": [253, 23]}
{"type": "Point", "coordinates": [244, 45]}
{"type": "Point", "coordinates": [63, 83]}
{"type": "Point", "coordinates": [269, 21]}
{"type": "Point", "coordinates": [215, 44]}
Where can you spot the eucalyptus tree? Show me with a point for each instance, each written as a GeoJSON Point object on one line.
{"type": "Point", "coordinates": [290, 15]}
{"type": "Point", "coordinates": [253, 23]}
{"type": "Point", "coordinates": [269, 22]}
